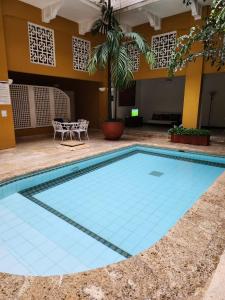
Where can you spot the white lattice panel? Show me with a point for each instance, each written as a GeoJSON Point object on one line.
{"type": "Point", "coordinates": [163, 46]}
{"type": "Point", "coordinates": [41, 45]}
{"type": "Point", "coordinates": [42, 106]}
{"type": "Point", "coordinates": [134, 55]}
{"type": "Point", "coordinates": [62, 104]}
{"type": "Point", "coordinates": [81, 53]}
{"type": "Point", "coordinates": [37, 106]}
{"type": "Point", "coordinates": [20, 104]}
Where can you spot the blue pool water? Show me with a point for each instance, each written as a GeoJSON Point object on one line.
{"type": "Point", "coordinates": [98, 211]}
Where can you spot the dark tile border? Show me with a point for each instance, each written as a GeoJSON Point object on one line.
{"type": "Point", "coordinates": [65, 164]}
{"type": "Point", "coordinates": [80, 227]}
{"type": "Point", "coordinates": [192, 160]}
{"type": "Point", "coordinates": [59, 180]}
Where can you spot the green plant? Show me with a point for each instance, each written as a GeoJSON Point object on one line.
{"type": "Point", "coordinates": [210, 34]}
{"type": "Point", "coordinates": [113, 52]}
{"type": "Point", "coordinates": [189, 131]}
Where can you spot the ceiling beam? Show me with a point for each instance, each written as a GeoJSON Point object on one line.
{"type": "Point", "coordinates": [92, 4]}
{"type": "Point", "coordinates": [136, 6]}
{"type": "Point", "coordinates": [126, 28]}
{"type": "Point", "coordinates": [85, 26]}
{"type": "Point", "coordinates": [196, 9]}
{"type": "Point", "coordinates": [154, 20]}
{"type": "Point", "coordinates": [50, 11]}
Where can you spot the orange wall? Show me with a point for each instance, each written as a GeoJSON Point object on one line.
{"type": "Point", "coordinates": [34, 131]}
{"type": "Point", "coordinates": [180, 23]}
{"type": "Point", "coordinates": [90, 102]}
{"type": "Point", "coordinates": [193, 72]}
{"type": "Point", "coordinates": [87, 102]}
{"type": "Point", "coordinates": [16, 14]}
{"type": "Point", "coordinates": [3, 61]}
{"type": "Point", "coordinates": [192, 94]}
{"type": "Point", "coordinates": [7, 136]}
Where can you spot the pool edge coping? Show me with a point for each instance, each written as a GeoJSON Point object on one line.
{"type": "Point", "coordinates": [41, 170]}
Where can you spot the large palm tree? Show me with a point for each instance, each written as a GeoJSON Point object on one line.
{"type": "Point", "coordinates": [113, 52]}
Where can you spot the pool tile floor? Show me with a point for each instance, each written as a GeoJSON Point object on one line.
{"type": "Point", "coordinates": [124, 205]}
{"type": "Point", "coordinates": [43, 244]}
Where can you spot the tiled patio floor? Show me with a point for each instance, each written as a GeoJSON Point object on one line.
{"type": "Point", "coordinates": [38, 152]}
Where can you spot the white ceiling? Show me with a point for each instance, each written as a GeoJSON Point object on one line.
{"type": "Point", "coordinates": [86, 10]}
{"type": "Point", "coordinates": [74, 10]}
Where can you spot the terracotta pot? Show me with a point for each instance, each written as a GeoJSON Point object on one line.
{"type": "Point", "coordinates": [193, 140]}
{"type": "Point", "coordinates": [113, 130]}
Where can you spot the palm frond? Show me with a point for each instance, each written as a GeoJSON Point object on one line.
{"type": "Point", "coordinates": [138, 40]}
{"type": "Point", "coordinates": [142, 45]}
{"type": "Point", "coordinates": [114, 39]}
{"type": "Point", "coordinates": [121, 68]}
{"type": "Point", "coordinates": [99, 58]}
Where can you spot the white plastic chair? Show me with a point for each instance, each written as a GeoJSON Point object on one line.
{"type": "Point", "coordinates": [80, 127]}
{"type": "Point", "coordinates": [81, 120]}
{"type": "Point", "coordinates": [59, 128]}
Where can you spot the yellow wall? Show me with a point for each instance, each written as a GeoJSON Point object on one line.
{"type": "Point", "coordinates": [179, 23]}
{"type": "Point", "coordinates": [192, 93]}
{"type": "Point", "coordinates": [14, 52]}
{"type": "Point", "coordinates": [7, 135]}
{"type": "Point", "coordinates": [193, 72]}
{"type": "Point", "coordinates": [87, 102]}
{"type": "Point", "coordinates": [34, 131]}
{"type": "Point", "coordinates": [16, 14]}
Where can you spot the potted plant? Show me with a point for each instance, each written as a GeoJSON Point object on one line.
{"type": "Point", "coordinates": [113, 55]}
{"type": "Point", "coordinates": [190, 136]}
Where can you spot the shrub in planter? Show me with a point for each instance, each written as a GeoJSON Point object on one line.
{"type": "Point", "coordinates": [190, 136]}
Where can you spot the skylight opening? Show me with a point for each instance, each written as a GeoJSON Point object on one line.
{"type": "Point", "coordinates": [119, 4]}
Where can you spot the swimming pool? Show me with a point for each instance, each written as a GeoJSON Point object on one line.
{"type": "Point", "coordinates": [98, 211]}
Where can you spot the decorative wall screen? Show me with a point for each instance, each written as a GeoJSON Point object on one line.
{"type": "Point", "coordinates": [62, 110]}
{"type": "Point", "coordinates": [134, 56]}
{"type": "Point", "coordinates": [41, 45]}
{"type": "Point", "coordinates": [21, 106]}
{"type": "Point", "coordinates": [81, 53]}
{"type": "Point", "coordinates": [37, 106]}
{"type": "Point", "coordinates": [163, 45]}
{"type": "Point", "coordinates": [42, 106]}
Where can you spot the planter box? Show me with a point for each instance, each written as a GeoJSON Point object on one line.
{"type": "Point", "coordinates": [190, 139]}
